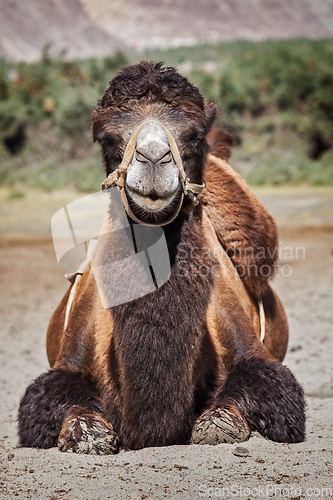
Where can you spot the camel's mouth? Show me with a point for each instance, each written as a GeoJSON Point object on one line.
{"type": "Point", "coordinates": [152, 208]}
{"type": "Point", "coordinates": [151, 202]}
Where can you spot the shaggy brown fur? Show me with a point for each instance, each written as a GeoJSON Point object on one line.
{"type": "Point", "coordinates": [145, 371]}
{"type": "Point", "coordinates": [243, 227]}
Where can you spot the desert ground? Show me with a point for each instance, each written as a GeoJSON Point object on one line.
{"type": "Point", "coordinates": [32, 285]}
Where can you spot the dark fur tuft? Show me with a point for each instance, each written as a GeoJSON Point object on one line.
{"type": "Point", "coordinates": [154, 81]}
{"type": "Point", "coordinates": [46, 403]}
{"type": "Point", "coordinates": [269, 398]}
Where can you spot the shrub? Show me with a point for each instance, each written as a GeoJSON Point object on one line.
{"type": "Point", "coordinates": [45, 110]}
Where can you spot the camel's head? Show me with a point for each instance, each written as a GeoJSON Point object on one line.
{"type": "Point", "coordinates": [153, 121]}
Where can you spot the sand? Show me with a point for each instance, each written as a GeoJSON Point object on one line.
{"type": "Point", "coordinates": [32, 285]}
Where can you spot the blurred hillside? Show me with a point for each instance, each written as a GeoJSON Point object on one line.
{"type": "Point", "coordinates": [274, 98]}
{"type": "Point", "coordinates": [26, 27]}
{"type": "Point", "coordinates": [145, 23]}
{"type": "Point", "coordinates": [86, 28]}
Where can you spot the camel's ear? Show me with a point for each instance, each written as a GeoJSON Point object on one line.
{"type": "Point", "coordinates": [210, 114]}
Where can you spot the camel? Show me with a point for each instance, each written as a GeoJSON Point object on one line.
{"type": "Point", "coordinates": [198, 359]}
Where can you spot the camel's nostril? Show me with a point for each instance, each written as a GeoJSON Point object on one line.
{"type": "Point", "coordinates": [153, 197]}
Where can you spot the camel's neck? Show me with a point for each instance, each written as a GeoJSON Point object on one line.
{"type": "Point", "coordinates": [158, 338]}
{"type": "Point", "coordinates": [174, 232]}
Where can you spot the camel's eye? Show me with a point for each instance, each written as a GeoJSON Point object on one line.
{"type": "Point", "coordinates": [140, 157]}
{"type": "Point", "coordinates": [166, 158]}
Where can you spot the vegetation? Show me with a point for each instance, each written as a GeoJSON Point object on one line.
{"type": "Point", "coordinates": [275, 98]}
{"type": "Point", "coordinates": [45, 113]}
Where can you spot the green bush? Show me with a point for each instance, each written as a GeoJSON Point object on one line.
{"type": "Point", "coordinates": [45, 110]}
{"type": "Point", "coordinates": [284, 77]}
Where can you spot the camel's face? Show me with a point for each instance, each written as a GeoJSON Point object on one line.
{"type": "Point", "coordinates": [152, 178]}
{"type": "Point", "coordinates": [149, 92]}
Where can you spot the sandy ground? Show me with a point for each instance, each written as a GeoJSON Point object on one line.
{"type": "Point", "coordinates": [31, 287]}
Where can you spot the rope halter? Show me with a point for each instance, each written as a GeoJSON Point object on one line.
{"type": "Point", "coordinates": [118, 176]}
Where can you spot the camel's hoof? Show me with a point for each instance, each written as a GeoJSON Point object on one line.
{"type": "Point", "coordinates": [220, 426]}
{"type": "Point", "coordinates": [88, 434]}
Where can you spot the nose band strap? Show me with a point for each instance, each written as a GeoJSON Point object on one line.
{"type": "Point", "coordinates": [118, 176]}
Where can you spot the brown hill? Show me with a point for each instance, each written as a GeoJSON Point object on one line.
{"type": "Point", "coordinates": [174, 22]}
{"type": "Point", "coordinates": [27, 26]}
{"type": "Point", "coordinates": [96, 27]}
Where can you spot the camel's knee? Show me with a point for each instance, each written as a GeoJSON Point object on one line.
{"type": "Point", "coordinates": [90, 433]}
{"type": "Point", "coordinates": [220, 425]}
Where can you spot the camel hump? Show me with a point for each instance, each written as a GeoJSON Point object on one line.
{"type": "Point", "coordinates": [243, 226]}
{"type": "Point", "coordinates": [220, 144]}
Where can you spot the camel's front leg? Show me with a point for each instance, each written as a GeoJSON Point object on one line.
{"type": "Point", "coordinates": [258, 394]}
{"type": "Point", "coordinates": [62, 408]}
